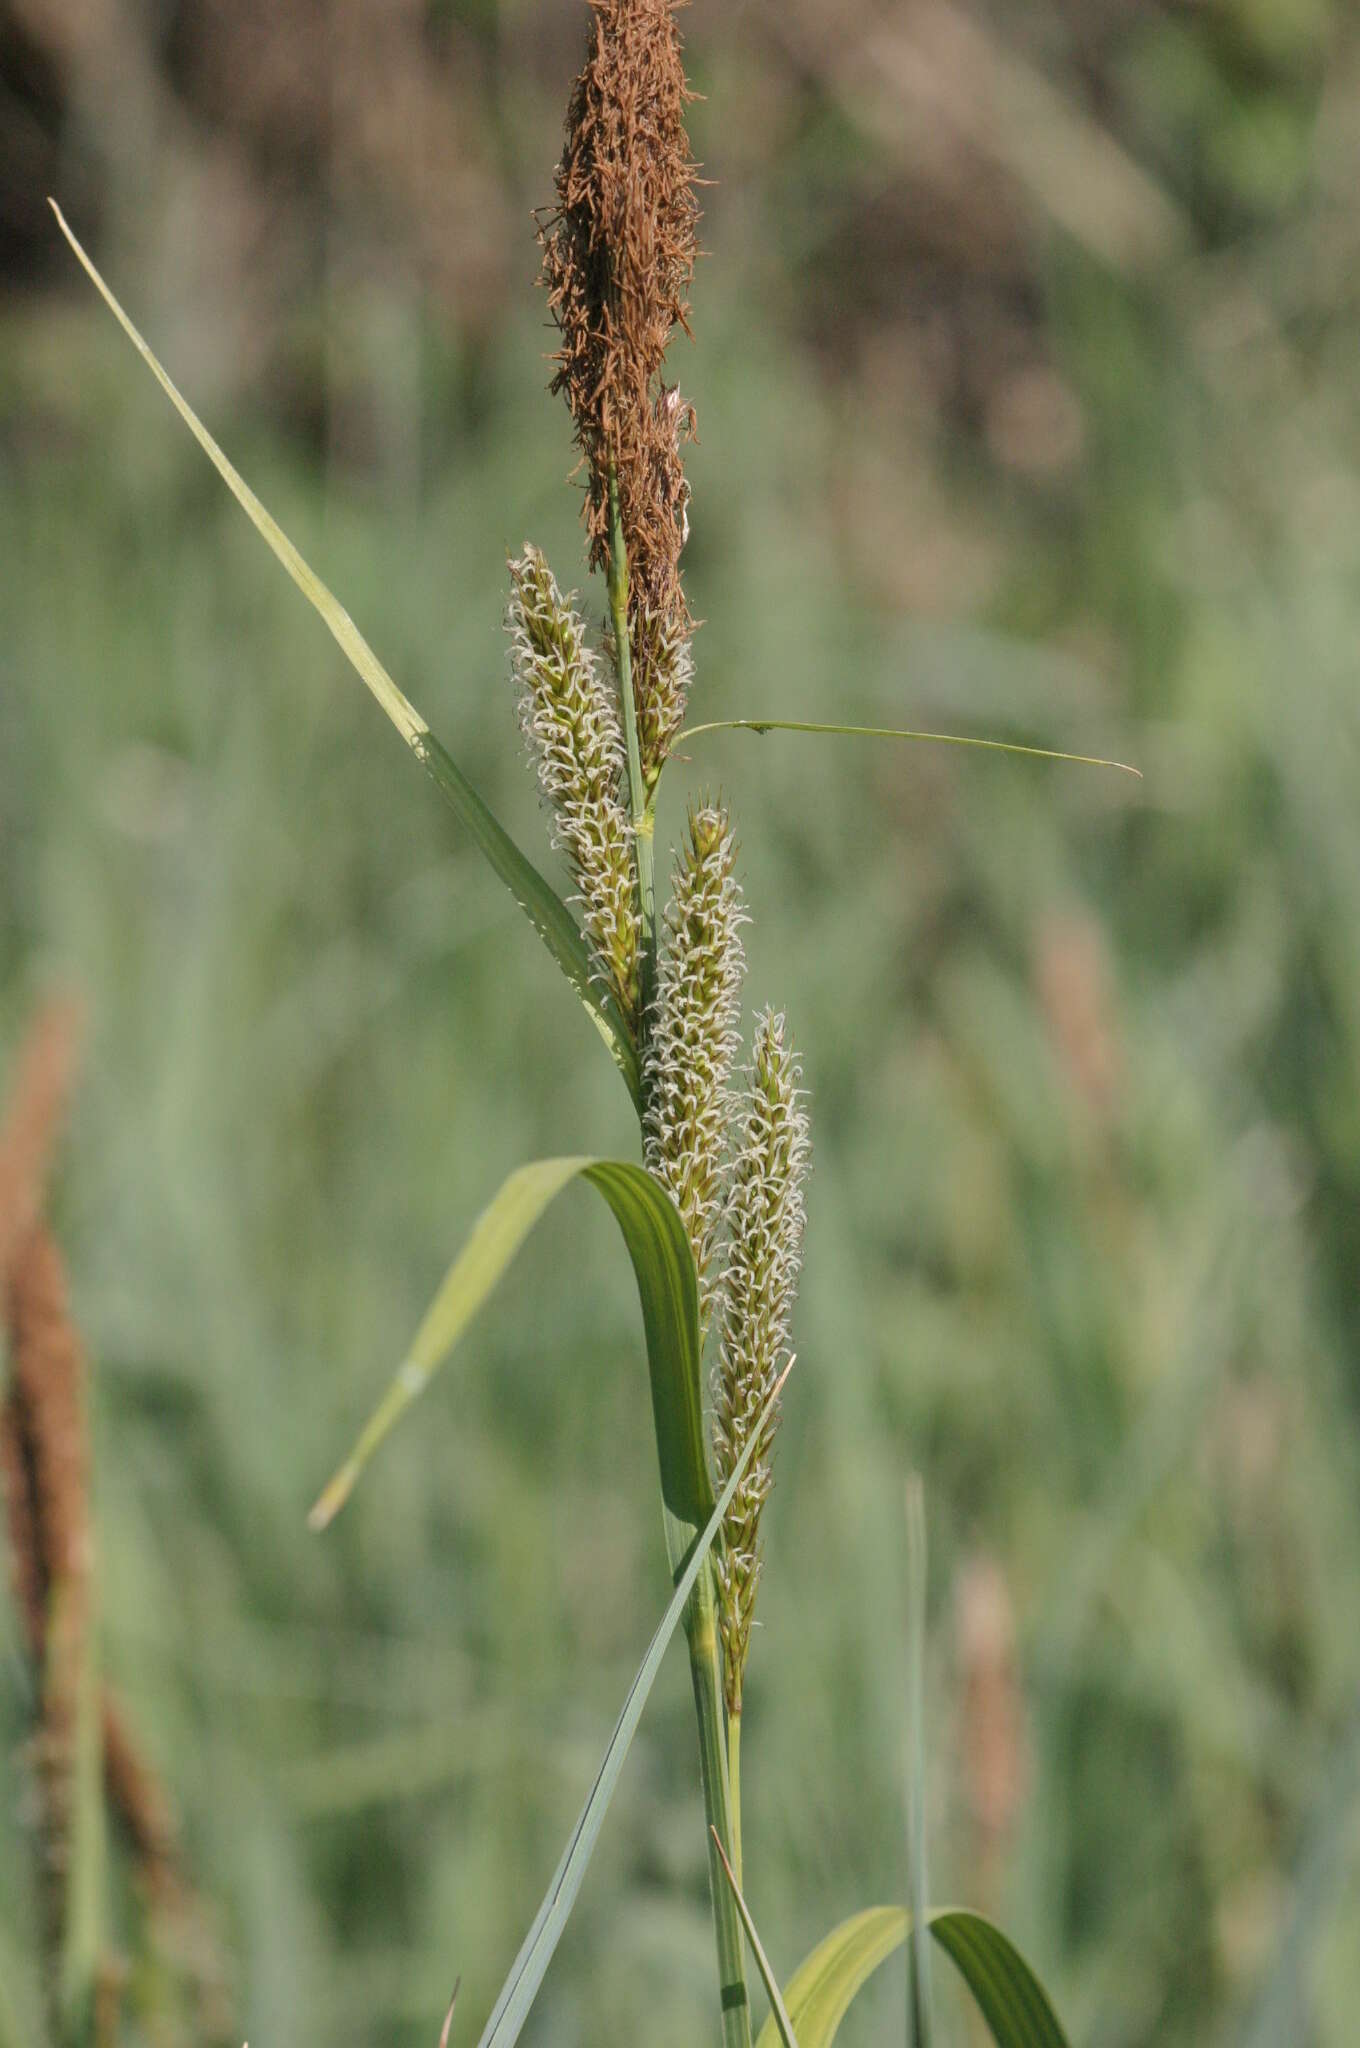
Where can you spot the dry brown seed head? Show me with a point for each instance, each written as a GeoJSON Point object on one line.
{"type": "Point", "coordinates": [618, 257]}
{"type": "Point", "coordinates": [46, 1439]}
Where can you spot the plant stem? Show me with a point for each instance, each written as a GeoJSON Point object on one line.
{"type": "Point", "coordinates": [734, 1788]}
{"type": "Point", "coordinates": [702, 1631]}
{"type": "Point", "coordinates": [642, 814]}
{"type": "Point", "coordinates": [701, 1626]}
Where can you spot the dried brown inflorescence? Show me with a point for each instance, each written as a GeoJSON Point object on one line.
{"type": "Point", "coordinates": [46, 1441]}
{"type": "Point", "coordinates": [45, 1475]}
{"type": "Point", "coordinates": [43, 1456]}
{"type": "Point", "coordinates": [618, 257]}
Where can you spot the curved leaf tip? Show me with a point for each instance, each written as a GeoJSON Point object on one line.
{"type": "Point", "coordinates": [663, 1267]}
{"type": "Point", "coordinates": [1009, 1996]}
{"type": "Point", "coordinates": [889, 732]}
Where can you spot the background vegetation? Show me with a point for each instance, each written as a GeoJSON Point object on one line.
{"type": "Point", "coordinates": [1025, 381]}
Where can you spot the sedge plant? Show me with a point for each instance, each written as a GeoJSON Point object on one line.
{"type": "Point", "coordinates": [712, 1209]}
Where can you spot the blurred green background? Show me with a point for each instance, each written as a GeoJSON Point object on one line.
{"type": "Point", "coordinates": [1025, 370]}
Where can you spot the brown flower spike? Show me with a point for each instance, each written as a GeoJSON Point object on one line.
{"type": "Point", "coordinates": [45, 1487]}
{"type": "Point", "coordinates": [618, 256]}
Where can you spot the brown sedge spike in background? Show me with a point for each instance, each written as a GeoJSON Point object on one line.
{"type": "Point", "coordinates": [45, 1458]}
{"type": "Point", "coordinates": [45, 1477]}
{"type": "Point", "coordinates": [618, 256]}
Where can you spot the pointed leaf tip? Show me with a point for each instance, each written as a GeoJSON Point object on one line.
{"type": "Point", "coordinates": [663, 1267]}
{"type": "Point", "coordinates": [888, 732]}
{"type": "Point", "coordinates": [332, 1498]}
{"type": "Point", "coordinates": [448, 2017]}
{"type": "Point", "coordinates": [1008, 1994]}
{"type": "Point", "coordinates": [535, 895]}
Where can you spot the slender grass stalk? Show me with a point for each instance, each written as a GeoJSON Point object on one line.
{"type": "Point", "coordinates": [919, 2005]}
{"type": "Point", "coordinates": [778, 2010]}
{"type": "Point", "coordinates": [701, 1629]}
{"type": "Point", "coordinates": [734, 1786]}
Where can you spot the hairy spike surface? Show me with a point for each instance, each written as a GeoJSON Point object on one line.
{"type": "Point", "coordinates": [765, 1247]}
{"type": "Point", "coordinates": [571, 725]}
{"type": "Point", "coordinates": [664, 658]}
{"type": "Point", "coordinates": [694, 1035]}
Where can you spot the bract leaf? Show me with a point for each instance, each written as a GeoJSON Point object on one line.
{"type": "Point", "coordinates": [889, 732]}
{"type": "Point", "coordinates": [536, 897]}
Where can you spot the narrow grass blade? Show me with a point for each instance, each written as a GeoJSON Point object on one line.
{"type": "Point", "coordinates": [1008, 1994]}
{"type": "Point", "coordinates": [535, 896]}
{"type": "Point", "coordinates": [521, 1986]}
{"type": "Point", "coordinates": [887, 732]}
{"type": "Point", "coordinates": [664, 1268]}
{"type": "Point", "coordinates": [918, 1952]}
{"type": "Point", "coordinates": [778, 2012]}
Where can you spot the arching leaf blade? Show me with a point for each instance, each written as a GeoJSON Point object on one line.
{"type": "Point", "coordinates": [889, 732]}
{"type": "Point", "coordinates": [536, 897]}
{"type": "Point", "coordinates": [1009, 1996]}
{"type": "Point", "coordinates": [521, 1986]}
{"type": "Point", "coordinates": [663, 1267]}
{"type": "Point", "coordinates": [820, 1991]}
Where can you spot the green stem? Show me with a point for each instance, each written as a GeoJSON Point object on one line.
{"type": "Point", "coordinates": [642, 815]}
{"type": "Point", "coordinates": [734, 1788]}
{"type": "Point", "coordinates": [702, 1631]}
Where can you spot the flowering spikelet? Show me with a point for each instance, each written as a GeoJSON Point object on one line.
{"type": "Point", "coordinates": [618, 256]}
{"type": "Point", "coordinates": [765, 1222]}
{"type": "Point", "coordinates": [663, 658]}
{"type": "Point", "coordinates": [571, 724]}
{"type": "Point", "coordinates": [694, 1036]}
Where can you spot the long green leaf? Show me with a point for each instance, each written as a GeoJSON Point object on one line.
{"type": "Point", "coordinates": [535, 896]}
{"type": "Point", "coordinates": [664, 1268]}
{"type": "Point", "coordinates": [888, 732]}
{"type": "Point", "coordinates": [520, 1988]}
{"type": "Point", "coordinates": [778, 2011]}
{"type": "Point", "coordinates": [1008, 1994]}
